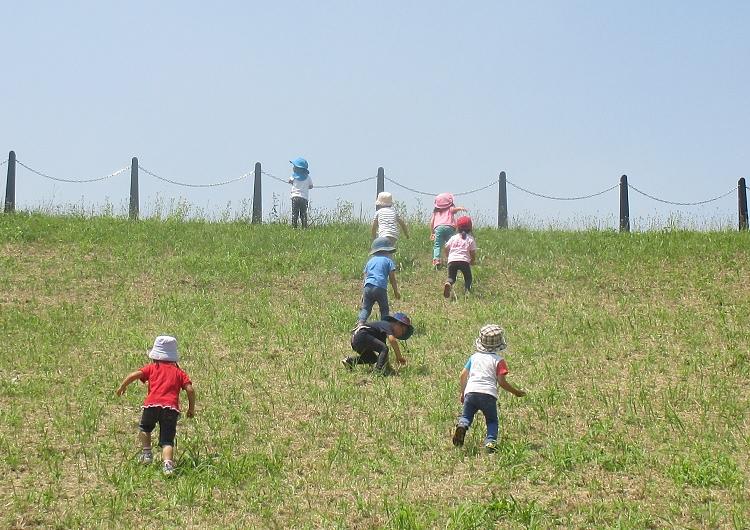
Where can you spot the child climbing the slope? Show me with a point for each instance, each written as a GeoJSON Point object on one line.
{"type": "Point", "coordinates": [371, 341]}
{"type": "Point", "coordinates": [165, 380]}
{"type": "Point", "coordinates": [461, 250]}
{"type": "Point", "coordinates": [442, 224]}
{"type": "Point", "coordinates": [379, 270]}
{"type": "Point", "coordinates": [483, 373]}
{"type": "Point", "coordinates": [387, 221]}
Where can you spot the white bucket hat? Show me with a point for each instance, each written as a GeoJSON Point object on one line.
{"type": "Point", "coordinates": [165, 349]}
{"type": "Point", "coordinates": [384, 199]}
{"type": "Point", "coordinates": [491, 339]}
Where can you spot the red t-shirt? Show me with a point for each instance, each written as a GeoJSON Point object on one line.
{"type": "Point", "coordinates": [165, 380]}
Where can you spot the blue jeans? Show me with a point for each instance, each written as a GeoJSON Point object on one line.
{"type": "Point", "coordinates": [442, 234]}
{"type": "Point", "coordinates": [370, 295]}
{"type": "Point", "coordinates": [474, 401]}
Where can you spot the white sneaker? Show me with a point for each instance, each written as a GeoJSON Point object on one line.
{"type": "Point", "coordinates": [168, 467]}
{"type": "Point", "coordinates": [146, 458]}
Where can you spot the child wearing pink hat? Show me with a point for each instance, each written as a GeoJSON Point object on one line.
{"type": "Point", "coordinates": [442, 224]}
{"type": "Point", "coordinates": [162, 405]}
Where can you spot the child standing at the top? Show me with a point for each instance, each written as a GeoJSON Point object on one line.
{"type": "Point", "coordinates": [301, 186]}
{"type": "Point", "coordinates": [379, 270]}
{"type": "Point", "coordinates": [461, 250]}
{"type": "Point", "coordinates": [443, 224]}
{"type": "Point", "coordinates": [165, 380]}
{"type": "Point", "coordinates": [483, 373]}
{"type": "Point", "coordinates": [386, 221]}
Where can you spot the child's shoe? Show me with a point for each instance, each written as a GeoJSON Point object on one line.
{"type": "Point", "coordinates": [168, 467]}
{"type": "Point", "coordinates": [490, 446]}
{"type": "Point", "coordinates": [146, 458]}
{"type": "Point", "coordinates": [347, 363]}
{"type": "Point", "coordinates": [447, 289]}
{"type": "Point", "coordinates": [459, 435]}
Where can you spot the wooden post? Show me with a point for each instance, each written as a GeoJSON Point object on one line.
{"type": "Point", "coordinates": [10, 187]}
{"type": "Point", "coordinates": [381, 181]}
{"type": "Point", "coordinates": [624, 205]}
{"type": "Point", "coordinates": [257, 200]}
{"type": "Point", "coordinates": [502, 202]}
{"type": "Point", "coordinates": [134, 207]}
{"type": "Point", "coordinates": [742, 203]}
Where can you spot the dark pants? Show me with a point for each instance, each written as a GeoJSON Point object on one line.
{"type": "Point", "coordinates": [476, 401]}
{"type": "Point", "coordinates": [167, 420]}
{"type": "Point", "coordinates": [299, 211]}
{"type": "Point", "coordinates": [371, 350]}
{"type": "Point", "coordinates": [465, 268]}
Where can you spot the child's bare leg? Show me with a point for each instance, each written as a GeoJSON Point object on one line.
{"type": "Point", "coordinates": [167, 452]}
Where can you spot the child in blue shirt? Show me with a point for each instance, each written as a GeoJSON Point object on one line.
{"type": "Point", "coordinates": [379, 270]}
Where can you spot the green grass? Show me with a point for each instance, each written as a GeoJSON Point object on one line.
{"type": "Point", "coordinates": [632, 348]}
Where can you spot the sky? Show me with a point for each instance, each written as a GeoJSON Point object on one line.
{"type": "Point", "coordinates": [565, 97]}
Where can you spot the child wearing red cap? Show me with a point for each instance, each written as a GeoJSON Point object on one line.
{"type": "Point", "coordinates": [442, 224]}
{"type": "Point", "coordinates": [461, 251]}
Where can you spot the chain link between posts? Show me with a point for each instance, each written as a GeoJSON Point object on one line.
{"type": "Point", "coordinates": [681, 203]}
{"type": "Point", "coordinates": [78, 181]}
{"type": "Point", "coordinates": [551, 197]}
{"type": "Point", "coordinates": [188, 185]}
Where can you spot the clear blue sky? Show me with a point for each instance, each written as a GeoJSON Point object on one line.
{"type": "Point", "coordinates": [563, 96]}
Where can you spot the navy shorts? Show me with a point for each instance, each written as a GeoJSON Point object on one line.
{"type": "Point", "coordinates": [167, 420]}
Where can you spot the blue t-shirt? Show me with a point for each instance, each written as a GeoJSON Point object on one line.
{"type": "Point", "coordinates": [377, 270]}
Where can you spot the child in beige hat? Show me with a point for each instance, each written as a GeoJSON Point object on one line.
{"type": "Point", "coordinates": [387, 222]}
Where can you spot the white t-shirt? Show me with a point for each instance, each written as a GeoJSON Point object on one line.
{"type": "Point", "coordinates": [387, 222]}
{"type": "Point", "coordinates": [484, 369]}
{"type": "Point", "coordinates": [301, 188]}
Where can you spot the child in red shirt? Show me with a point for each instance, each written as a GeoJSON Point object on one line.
{"type": "Point", "coordinates": [162, 405]}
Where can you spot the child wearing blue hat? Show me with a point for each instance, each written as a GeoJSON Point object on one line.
{"type": "Point", "coordinates": [379, 270]}
{"type": "Point", "coordinates": [301, 186]}
{"type": "Point", "coordinates": [371, 341]}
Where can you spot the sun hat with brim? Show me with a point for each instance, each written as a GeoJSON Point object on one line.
{"type": "Point", "coordinates": [165, 349]}
{"type": "Point", "coordinates": [381, 244]}
{"type": "Point", "coordinates": [300, 169]}
{"type": "Point", "coordinates": [444, 200]}
{"type": "Point", "coordinates": [402, 318]}
{"type": "Point", "coordinates": [384, 199]}
{"type": "Point", "coordinates": [491, 339]}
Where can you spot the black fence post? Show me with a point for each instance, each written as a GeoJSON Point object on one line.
{"type": "Point", "coordinates": [134, 206]}
{"type": "Point", "coordinates": [257, 200]}
{"type": "Point", "coordinates": [742, 202]}
{"type": "Point", "coordinates": [502, 202]}
{"type": "Point", "coordinates": [381, 181]}
{"type": "Point", "coordinates": [10, 187]}
{"type": "Point", "coordinates": [624, 205]}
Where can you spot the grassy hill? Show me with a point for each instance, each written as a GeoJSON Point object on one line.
{"type": "Point", "coordinates": [633, 349]}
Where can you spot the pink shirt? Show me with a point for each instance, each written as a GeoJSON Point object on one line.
{"type": "Point", "coordinates": [460, 249]}
{"type": "Point", "coordinates": [444, 217]}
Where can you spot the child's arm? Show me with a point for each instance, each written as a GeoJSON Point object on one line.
{"type": "Point", "coordinates": [462, 379]}
{"type": "Point", "coordinates": [393, 341]}
{"type": "Point", "coordinates": [505, 385]}
{"type": "Point", "coordinates": [473, 254]}
{"type": "Point", "coordinates": [432, 225]}
{"type": "Point", "coordinates": [392, 278]}
{"type": "Point", "coordinates": [402, 224]}
{"type": "Point", "coordinates": [457, 209]}
{"type": "Point", "coordinates": [129, 379]}
{"type": "Point", "coordinates": [191, 400]}
{"type": "Point", "coordinates": [374, 228]}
